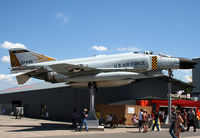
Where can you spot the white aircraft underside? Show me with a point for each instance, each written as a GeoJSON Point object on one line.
{"type": "Point", "coordinates": [105, 71]}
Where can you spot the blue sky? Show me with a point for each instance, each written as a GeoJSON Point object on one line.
{"type": "Point", "coordinates": [68, 29]}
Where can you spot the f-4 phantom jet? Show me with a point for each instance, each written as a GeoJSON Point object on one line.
{"type": "Point", "coordinates": [97, 71]}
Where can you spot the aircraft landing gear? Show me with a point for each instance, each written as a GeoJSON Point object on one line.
{"type": "Point", "coordinates": [92, 88]}
{"type": "Point", "coordinates": [92, 85]}
{"type": "Point", "coordinates": [92, 120]}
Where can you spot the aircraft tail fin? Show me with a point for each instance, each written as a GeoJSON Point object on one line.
{"type": "Point", "coordinates": [20, 57]}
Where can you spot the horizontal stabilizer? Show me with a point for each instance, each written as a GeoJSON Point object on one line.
{"type": "Point", "coordinates": [23, 78]}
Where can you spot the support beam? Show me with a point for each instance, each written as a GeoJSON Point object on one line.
{"type": "Point", "coordinates": [169, 94]}
{"type": "Point", "coordinates": [93, 122]}
{"type": "Point", "coordinates": [169, 100]}
{"type": "Point", "coordinates": [92, 114]}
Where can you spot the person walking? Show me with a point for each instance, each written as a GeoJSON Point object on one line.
{"type": "Point", "coordinates": [140, 120]}
{"type": "Point", "coordinates": [173, 121]}
{"type": "Point", "coordinates": [145, 121]}
{"type": "Point", "coordinates": [74, 118]}
{"type": "Point", "coordinates": [191, 118]}
{"type": "Point", "coordinates": [83, 120]}
{"type": "Point", "coordinates": [178, 123]}
{"type": "Point", "coordinates": [156, 124]}
{"type": "Point", "coordinates": [185, 115]}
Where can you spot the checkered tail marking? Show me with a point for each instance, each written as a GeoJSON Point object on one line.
{"type": "Point", "coordinates": [13, 60]}
{"type": "Point", "coordinates": [154, 63]}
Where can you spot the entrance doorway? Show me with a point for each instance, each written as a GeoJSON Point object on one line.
{"type": "Point", "coordinates": [15, 104]}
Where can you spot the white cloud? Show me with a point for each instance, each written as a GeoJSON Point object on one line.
{"type": "Point", "coordinates": [7, 78]}
{"type": "Point", "coordinates": [10, 79]}
{"type": "Point", "coordinates": [182, 74]}
{"type": "Point", "coordinates": [59, 15]}
{"type": "Point", "coordinates": [122, 49]}
{"type": "Point", "coordinates": [128, 49]}
{"type": "Point", "coordinates": [186, 71]}
{"type": "Point", "coordinates": [6, 59]}
{"type": "Point", "coordinates": [62, 17]}
{"type": "Point", "coordinates": [100, 55]}
{"type": "Point", "coordinates": [188, 78]}
{"type": "Point", "coordinates": [99, 48]}
{"type": "Point", "coordinates": [9, 45]}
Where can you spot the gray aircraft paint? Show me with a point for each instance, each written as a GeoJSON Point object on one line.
{"type": "Point", "coordinates": [119, 68]}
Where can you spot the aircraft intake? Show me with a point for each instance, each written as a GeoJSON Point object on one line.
{"type": "Point", "coordinates": [55, 77]}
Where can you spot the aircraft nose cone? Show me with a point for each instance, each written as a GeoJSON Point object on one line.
{"type": "Point", "coordinates": [186, 63]}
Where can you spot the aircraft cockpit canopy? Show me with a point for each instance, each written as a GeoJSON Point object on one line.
{"type": "Point", "coordinates": [163, 55]}
{"type": "Point", "coordinates": [148, 52]}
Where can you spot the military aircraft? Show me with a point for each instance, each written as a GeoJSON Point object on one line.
{"type": "Point", "coordinates": [98, 71]}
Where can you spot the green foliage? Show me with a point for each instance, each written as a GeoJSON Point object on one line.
{"type": "Point", "coordinates": [188, 90]}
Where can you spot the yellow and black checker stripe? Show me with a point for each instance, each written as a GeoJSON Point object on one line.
{"type": "Point", "coordinates": [154, 63]}
{"type": "Point", "coordinates": [13, 60]}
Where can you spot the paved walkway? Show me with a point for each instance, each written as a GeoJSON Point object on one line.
{"type": "Point", "coordinates": [32, 128]}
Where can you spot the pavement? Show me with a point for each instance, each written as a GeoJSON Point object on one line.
{"type": "Point", "coordinates": [35, 128]}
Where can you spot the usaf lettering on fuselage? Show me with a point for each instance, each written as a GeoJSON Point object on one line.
{"type": "Point", "coordinates": [129, 64]}
{"type": "Point", "coordinates": [26, 62]}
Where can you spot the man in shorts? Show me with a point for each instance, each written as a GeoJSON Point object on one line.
{"type": "Point", "coordinates": [140, 120]}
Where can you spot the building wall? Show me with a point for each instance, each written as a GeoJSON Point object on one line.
{"type": "Point", "coordinates": [60, 102]}
{"type": "Point", "coordinates": [196, 75]}
{"type": "Point", "coordinates": [135, 90]}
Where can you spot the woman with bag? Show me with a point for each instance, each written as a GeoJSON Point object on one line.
{"type": "Point", "coordinates": [156, 123]}
{"type": "Point", "coordinates": [145, 121]}
{"type": "Point", "coordinates": [178, 123]}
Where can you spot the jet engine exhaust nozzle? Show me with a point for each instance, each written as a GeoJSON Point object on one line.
{"type": "Point", "coordinates": [186, 63]}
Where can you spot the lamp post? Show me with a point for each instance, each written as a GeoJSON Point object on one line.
{"type": "Point", "coordinates": [169, 94]}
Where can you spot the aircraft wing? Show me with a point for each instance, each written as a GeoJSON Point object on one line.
{"type": "Point", "coordinates": [70, 69]}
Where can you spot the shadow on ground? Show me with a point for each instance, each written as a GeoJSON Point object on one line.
{"type": "Point", "coordinates": [42, 127]}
